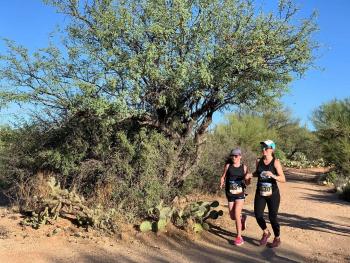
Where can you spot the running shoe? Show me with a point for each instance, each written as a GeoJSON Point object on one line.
{"type": "Point", "coordinates": [264, 238]}
{"type": "Point", "coordinates": [244, 222]}
{"type": "Point", "coordinates": [239, 241]}
{"type": "Point", "coordinates": [276, 242]}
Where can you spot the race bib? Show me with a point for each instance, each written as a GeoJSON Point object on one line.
{"type": "Point", "coordinates": [236, 187]}
{"type": "Point", "coordinates": [265, 189]}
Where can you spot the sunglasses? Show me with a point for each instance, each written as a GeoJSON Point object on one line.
{"type": "Point", "coordinates": [235, 156]}
{"type": "Point", "coordinates": [265, 148]}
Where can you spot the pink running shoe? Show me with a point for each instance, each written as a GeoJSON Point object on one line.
{"type": "Point", "coordinates": [244, 222]}
{"type": "Point", "coordinates": [276, 242]}
{"type": "Point", "coordinates": [239, 241]}
{"type": "Point", "coordinates": [264, 238]}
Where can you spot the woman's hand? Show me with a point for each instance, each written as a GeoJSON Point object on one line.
{"type": "Point", "coordinates": [248, 176]}
{"type": "Point", "coordinates": [269, 174]}
{"type": "Point", "coordinates": [222, 182]}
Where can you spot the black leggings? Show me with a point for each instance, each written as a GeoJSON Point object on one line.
{"type": "Point", "coordinates": [273, 203]}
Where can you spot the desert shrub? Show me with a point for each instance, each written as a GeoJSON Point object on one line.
{"type": "Point", "coordinates": [118, 169]}
{"type": "Point", "coordinates": [331, 177]}
{"type": "Point", "coordinates": [332, 123]}
{"type": "Point", "coordinates": [279, 154]}
{"type": "Point", "coordinates": [299, 160]}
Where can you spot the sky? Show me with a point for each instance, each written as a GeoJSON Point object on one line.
{"type": "Point", "coordinates": [29, 23]}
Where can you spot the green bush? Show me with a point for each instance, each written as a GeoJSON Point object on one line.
{"type": "Point", "coordinates": [331, 177]}
{"type": "Point", "coordinates": [332, 123]}
{"type": "Point", "coordinates": [118, 169]}
{"type": "Point", "coordinates": [279, 154]}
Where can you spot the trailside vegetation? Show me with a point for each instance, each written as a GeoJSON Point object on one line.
{"type": "Point", "coordinates": [121, 108]}
{"type": "Point", "coordinates": [332, 123]}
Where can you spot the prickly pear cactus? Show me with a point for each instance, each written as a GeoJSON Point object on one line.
{"type": "Point", "coordinates": [159, 217]}
{"type": "Point", "coordinates": [146, 226]}
{"type": "Point", "coordinates": [61, 202]}
{"type": "Point", "coordinates": [195, 214]}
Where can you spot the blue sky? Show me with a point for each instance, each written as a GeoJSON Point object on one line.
{"type": "Point", "coordinates": [29, 22]}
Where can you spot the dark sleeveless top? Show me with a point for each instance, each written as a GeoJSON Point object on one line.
{"type": "Point", "coordinates": [235, 174]}
{"type": "Point", "coordinates": [269, 167]}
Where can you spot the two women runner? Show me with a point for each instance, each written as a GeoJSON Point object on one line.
{"type": "Point", "coordinates": [235, 178]}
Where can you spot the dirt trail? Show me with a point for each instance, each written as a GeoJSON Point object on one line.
{"type": "Point", "coordinates": [315, 227]}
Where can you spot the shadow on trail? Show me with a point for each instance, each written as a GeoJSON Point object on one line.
{"type": "Point", "coordinates": [228, 236]}
{"type": "Point", "coordinates": [308, 223]}
{"type": "Point", "coordinates": [325, 196]}
{"type": "Point", "coordinates": [295, 177]}
{"type": "Point", "coordinates": [259, 253]}
{"type": "Point", "coordinates": [311, 223]}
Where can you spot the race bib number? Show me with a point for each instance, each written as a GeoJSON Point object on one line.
{"type": "Point", "coordinates": [236, 187]}
{"type": "Point", "coordinates": [265, 189]}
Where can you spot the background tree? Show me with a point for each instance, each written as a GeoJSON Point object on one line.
{"type": "Point", "coordinates": [166, 66]}
{"type": "Point", "coordinates": [332, 123]}
{"type": "Point", "coordinates": [290, 136]}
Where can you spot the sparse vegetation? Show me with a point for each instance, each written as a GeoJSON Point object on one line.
{"type": "Point", "coordinates": [58, 202]}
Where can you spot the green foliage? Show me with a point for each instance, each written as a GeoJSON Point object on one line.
{"type": "Point", "coordinates": [244, 130]}
{"type": "Point", "coordinates": [122, 107]}
{"type": "Point", "coordinates": [331, 177]}
{"type": "Point", "coordinates": [291, 136]}
{"type": "Point", "coordinates": [166, 66]}
{"type": "Point", "coordinates": [332, 123]}
{"type": "Point", "coordinates": [279, 154]}
{"type": "Point", "coordinates": [122, 173]}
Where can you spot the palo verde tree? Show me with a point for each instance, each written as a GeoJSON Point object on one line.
{"type": "Point", "coordinates": [167, 65]}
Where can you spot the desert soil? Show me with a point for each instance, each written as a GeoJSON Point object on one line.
{"type": "Point", "coordinates": [315, 227]}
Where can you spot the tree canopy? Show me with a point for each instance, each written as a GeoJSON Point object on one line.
{"type": "Point", "coordinates": [166, 65]}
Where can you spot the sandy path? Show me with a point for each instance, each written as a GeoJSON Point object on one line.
{"type": "Point", "coordinates": [315, 227]}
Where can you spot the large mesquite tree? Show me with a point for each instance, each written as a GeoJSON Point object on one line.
{"type": "Point", "coordinates": [167, 65]}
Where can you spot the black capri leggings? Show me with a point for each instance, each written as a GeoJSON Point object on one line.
{"type": "Point", "coordinates": [273, 203]}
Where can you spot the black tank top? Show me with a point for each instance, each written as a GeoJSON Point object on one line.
{"type": "Point", "coordinates": [234, 174]}
{"type": "Point", "coordinates": [267, 167]}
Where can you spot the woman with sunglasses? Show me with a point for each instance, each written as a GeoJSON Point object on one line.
{"type": "Point", "coordinates": [269, 172]}
{"type": "Point", "coordinates": [233, 178]}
